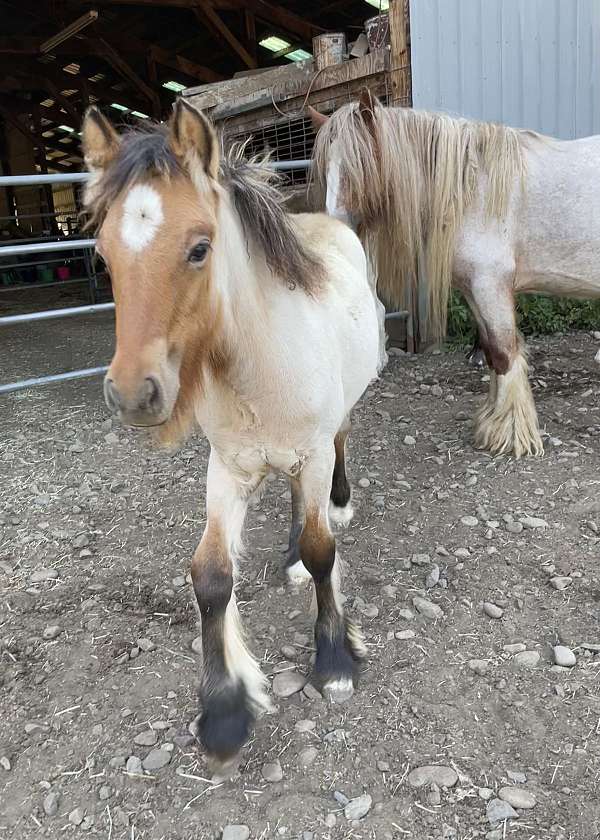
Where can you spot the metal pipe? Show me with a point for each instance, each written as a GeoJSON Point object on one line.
{"type": "Point", "coordinates": [28, 180]}
{"type": "Point", "coordinates": [46, 247]}
{"type": "Point", "coordinates": [48, 314]}
{"type": "Point", "coordinates": [78, 177]}
{"type": "Point", "coordinates": [57, 377]}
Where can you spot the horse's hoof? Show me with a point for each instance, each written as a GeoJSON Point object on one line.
{"type": "Point", "coordinates": [223, 771]}
{"type": "Point", "coordinates": [297, 573]}
{"type": "Point", "coordinates": [339, 690]}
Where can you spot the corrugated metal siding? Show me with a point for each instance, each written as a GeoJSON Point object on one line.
{"type": "Point", "coordinates": [527, 63]}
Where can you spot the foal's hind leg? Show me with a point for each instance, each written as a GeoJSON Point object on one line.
{"type": "Point", "coordinates": [295, 569]}
{"type": "Point", "coordinates": [340, 507]}
{"type": "Point", "coordinates": [507, 422]}
{"type": "Point", "coordinates": [233, 688]}
{"type": "Point", "coordinates": [339, 644]}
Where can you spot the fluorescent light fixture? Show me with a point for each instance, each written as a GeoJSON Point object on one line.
{"type": "Point", "coordinates": [118, 107]}
{"type": "Point", "coordinates": [47, 103]}
{"type": "Point", "coordinates": [298, 55]}
{"type": "Point", "coordinates": [140, 115]}
{"type": "Point", "coordinates": [380, 5]}
{"type": "Point", "coordinates": [274, 44]}
{"type": "Point", "coordinates": [69, 31]}
{"type": "Point", "coordinates": [176, 87]}
{"type": "Point", "coordinates": [72, 68]}
{"type": "Point", "coordinates": [67, 128]}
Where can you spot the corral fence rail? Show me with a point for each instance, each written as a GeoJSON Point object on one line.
{"type": "Point", "coordinates": [85, 245]}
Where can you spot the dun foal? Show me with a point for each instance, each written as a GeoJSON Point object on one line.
{"type": "Point", "coordinates": [260, 327]}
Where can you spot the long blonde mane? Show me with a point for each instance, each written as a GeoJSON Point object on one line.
{"type": "Point", "coordinates": [410, 176]}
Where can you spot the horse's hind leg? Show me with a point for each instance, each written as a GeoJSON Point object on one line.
{"type": "Point", "coordinates": [339, 644]}
{"type": "Point", "coordinates": [476, 355]}
{"type": "Point", "coordinates": [294, 568]}
{"type": "Point", "coordinates": [340, 506]}
{"type": "Point", "coordinates": [507, 421]}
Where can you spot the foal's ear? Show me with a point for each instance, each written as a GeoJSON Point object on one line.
{"type": "Point", "coordinates": [316, 117]}
{"type": "Point", "coordinates": [192, 136]}
{"type": "Point", "coordinates": [99, 140]}
{"type": "Point", "coordinates": [367, 104]}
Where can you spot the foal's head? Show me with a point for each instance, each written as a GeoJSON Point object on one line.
{"type": "Point", "coordinates": [153, 198]}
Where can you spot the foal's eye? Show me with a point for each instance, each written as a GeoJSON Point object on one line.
{"type": "Point", "coordinates": [199, 253]}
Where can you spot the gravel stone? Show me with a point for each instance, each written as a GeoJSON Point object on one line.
{"type": "Point", "coordinates": [364, 482]}
{"type": "Point", "coordinates": [42, 575]}
{"type": "Point", "coordinates": [518, 797]}
{"type": "Point", "coordinates": [147, 738]}
{"type": "Point", "coordinates": [235, 832]}
{"type": "Point", "coordinates": [478, 666]}
{"type": "Point", "coordinates": [76, 816]}
{"type": "Point", "coordinates": [427, 608]}
{"type": "Point", "coordinates": [358, 808]}
{"type": "Point", "coordinates": [5, 762]}
{"type": "Point", "coordinates": [307, 756]}
{"type": "Point", "coordinates": [288, 683]}
{"type": "Point", "coordinates": [51, 632]}
{"type": "Point", "coordinates": [532, 522]}
{"type": "Point", "coordinates": [404, 635]}
{"type": "Point", "coordinates": [527, 659]}
{"type": "Point", "coordinates": [517, 647]}
{"type": "Point", "coordinates": [305, 725]}
{"type": "Point", "coordinates": [469, 521]}
{"type": "Point", "coordinates": [560, 582]}
{"type": "Point", "coordinates": [156, 760]}
{"type": "Point", "coordinates": [134, 766]}
{"type": "Point", "coordinates": [272, 771]}
{"type": "Point", "coordinates": [105, 792]}
{"type": "Point", "coordinates": [429, 774]}
{"type": "Point", "coordinates": [409, 440]}
{"type": "Point", "coordinates": [497, 811]}
{"type": "Point", "coordinates": [564, 656]}
{"type": "Point", "coordinates": [51, 803]}
{"type": "Point", "coordinates": [433, 577]}
{"type": "Point", "coordinates": [197, 645]}
{"type": "Point", "coordinates": [485, 793]}
{"type": "Point", "coordinates": [492, 610]}
{"type": "Point", "coordinates": [146, 645]}
{"type": "Point", "coordinates": [516, 776]}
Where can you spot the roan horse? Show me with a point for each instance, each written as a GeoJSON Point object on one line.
{"type": "Point", "coordinates": [492, 210]}
{"type": "Point", "coordinates": [259, 326]}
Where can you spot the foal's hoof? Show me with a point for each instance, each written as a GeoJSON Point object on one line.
{"type": "Point", "coordinates": [224, 726]}
{"type": "Point", "coordinates": [476, 358]}
{"type": "Point", "coordinates": [297, 573]}
{"type": "Point", "coordinates": [338, 691]}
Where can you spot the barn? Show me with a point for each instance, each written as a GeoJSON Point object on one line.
{"type": "Point", "coordinates": [448, 688]}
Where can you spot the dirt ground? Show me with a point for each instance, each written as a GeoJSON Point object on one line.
{"type": "Point", "coordinates": [97, 531]}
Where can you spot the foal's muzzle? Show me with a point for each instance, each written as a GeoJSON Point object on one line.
{"type": "Point", "coordinates": [144, 405]}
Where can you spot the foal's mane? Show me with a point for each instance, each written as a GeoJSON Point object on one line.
{"type": "Point", "coordinates": [410, 176]}
{"type": "Point", "coordinates": [252, 186]}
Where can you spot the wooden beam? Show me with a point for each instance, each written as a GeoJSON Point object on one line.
{"type": "Point", "coordinates": [276, 15]}
{"type": "Point", "coordinates": [400, 53]}
{"type": "Point", "coordinates": [121, 66]}
{"type": "Point", "coordinates": [207, 14]}
{"type": "Point", "coordinates": [184, 65]}
{"type": "Point", "coordinates": [250, 25]}
{"type": "Point", "coordinates": [63, 101]}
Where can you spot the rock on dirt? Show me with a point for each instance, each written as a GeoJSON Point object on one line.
{"type": "Point", "coordinates": [564, 656]}
{"type": "Point", "coordinates": [533, 522]}
{"type": "Point", "coordinates": [134, 766]}
{"type": "Point", "coordinates": [359, 807]}
{"type": "Point", "coordinates": [288, 683]}
{"type": "Point", "coordinates": [478, 666]}
{"type": "Point", "coordinates": [307, 756]}
{"type": "Point", "coordinates": [42, 575]}
{"type": "Point", "coordinates": [527, 659]}
{"type": "Point", "coordinates": [156, 760]}
{"type": "Point", "coordinates": [272, 771]}
{"type": "Point", "coordinates": [235, 832]}
{"type": "Point", "coordinates": [51, 803]}
{"type": "Point", "coordinates": [497, 811]}
{"type": "Point", "coordinates": [427, 608]}
{"type": "Point", "coordinates": [51, 632]}
{"type": "Point", "coordinates": [438, 774]}
{"type": "Point", "coordinates": [518, 797]}
{"type": "Point", "coordinates": [147, 738]}
{"type": "Point", "coordinates": [492, 610]}
{"type": "Point", "coordinates": [560, 582]}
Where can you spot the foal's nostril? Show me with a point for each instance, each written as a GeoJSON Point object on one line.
{"type": "Point", "coordinates": [152, 397]}
{"type": "Point", "coordinates": [111, 395]}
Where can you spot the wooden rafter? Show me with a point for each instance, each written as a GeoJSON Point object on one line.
{"type": "Point", "coordinates": [116, 61]}
{"type": "Point", "coordinates": [206, 14]}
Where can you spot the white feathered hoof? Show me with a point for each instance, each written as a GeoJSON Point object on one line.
{"type": "Point", "coordinates": [339, 690]}
{"type": "Point", "coordinates": [340, 517]}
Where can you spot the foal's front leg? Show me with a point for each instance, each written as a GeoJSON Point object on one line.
{"type": "Point", "coordinates": [233, 688]}
{"type": "Point", "coordinates": [339, 644]}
